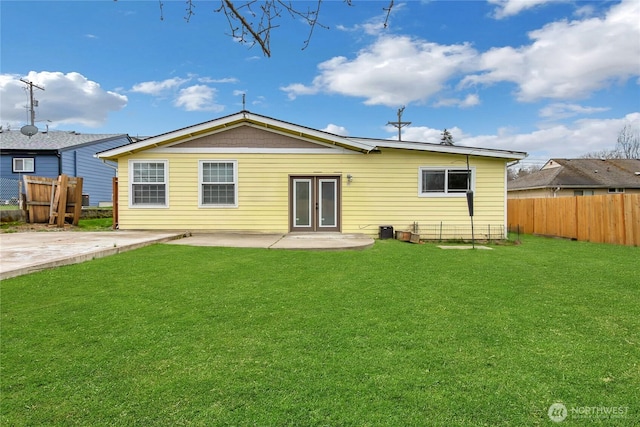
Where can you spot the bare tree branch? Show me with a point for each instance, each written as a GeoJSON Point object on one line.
{"type": "Point", "coordinates": [388, 10]}
{"type": "Point", "coordinates": [251, 21]}
{"type": "Point", "coordinates": [628, 143]}
{"type": "Point", "coordinates": [189, 12]}
{"type": "Point", "coordinates": [311, 17]}
{"type": "Point", "coordinates": [261, 35]}
{"type": "Point", "coordinates": [627, 146]}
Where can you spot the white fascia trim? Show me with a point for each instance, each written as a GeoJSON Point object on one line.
{"type": "Point", "coordinates": [259, 122]}
{"type": "Point", "coordinates": [241, 150]}
{"type": "Point", "coordinates": [450, 149]}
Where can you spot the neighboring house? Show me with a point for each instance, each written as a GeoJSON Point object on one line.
{"type": "Point", "coordinates": [251, 173]}
{"type": "Point", "coordinates": [578, 177]}
{"type": "Point", "coordinates": [53, 153]}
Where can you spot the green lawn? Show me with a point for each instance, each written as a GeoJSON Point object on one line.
{"type": "Point", "coordinates": [396, 335]}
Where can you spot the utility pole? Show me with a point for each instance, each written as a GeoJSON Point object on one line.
{"type": "Point", "coordinates": [32, 111]}
{"type": "Point", "coordinates": [399, 124]}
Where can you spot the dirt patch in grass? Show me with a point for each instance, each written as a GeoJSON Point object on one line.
{"type": "Point", "coordinates": [21, 227]}
{"type": "Point", "coordinates": [91, 224]}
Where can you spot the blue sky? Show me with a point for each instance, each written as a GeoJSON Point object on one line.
{"type": "Point", "coordinates": [552, 78]}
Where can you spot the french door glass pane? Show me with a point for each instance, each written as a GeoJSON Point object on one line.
{"type": "Point", "coordinates": [327, 203]}
{"type": "Point", "coordinates": [302, 202]}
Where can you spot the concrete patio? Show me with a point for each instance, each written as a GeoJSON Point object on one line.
{"type": "Point", "coordinates": [23, 253]}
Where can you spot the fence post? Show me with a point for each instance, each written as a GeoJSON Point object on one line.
{"type": "Point", "coordinates": [114, 203]}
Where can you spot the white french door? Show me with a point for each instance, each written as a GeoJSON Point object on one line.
{"type": "Point", "coordinates": [315, 203]}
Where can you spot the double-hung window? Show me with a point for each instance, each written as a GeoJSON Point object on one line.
{"type": "Point", "coordinates": [218, 183]}
{"type": "Point", "coordinates": [438, 182]}
{"type": "Point", "coordinates": [24, 164]}
{"type": "Point", "coordinates": [148, 183]}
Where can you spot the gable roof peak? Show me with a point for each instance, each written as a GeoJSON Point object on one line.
{"type": "Point", "coordinates": [245, 117]}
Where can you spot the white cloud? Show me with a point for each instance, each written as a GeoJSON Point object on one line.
{"type": "Point", "coordinates": [192, 98]}
{"type": "Point", "coordinates": [372, 28]}
{"type": "Point", "coordinates": [259, 100]}
{"type": "Point", "coordinates": [67, 99]}
{"type": "Point", "coordinates": [198, 98]}
{"type": "Point", "coordinates": [395, 70]}
{"type": "Point", "coordinates": [565, 60]}
{"type": "Point", "coordinates": [585, 11]}
{"type": "Point", "coordinates": [336, 130]}
{"type": "Point", "coordinates": [568, 141]}
{"type": "Point", "coordinates": [425, 134]}
{"type": "Point", "coordinates": [470, 100]}
{"type": "Point", "coordinates": [561, 141]}
{"type": "Point", "coordinates": [562, 110]}
{"type": "Point", "coordinates": [296, 89]}
{"type": "Point", "coordinates": [158, 87]}
{"type": "Point", "coordinates": [506, 8]}
{"type": "Point", "coordinates": [223, 80]}
{"type": "Point", "coordinates": [569, 60]}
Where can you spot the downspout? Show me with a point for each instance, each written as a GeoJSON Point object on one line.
{"type": "Point", "coordinates": [111, 166]}
{"type": "Point", "coordinates": [555, 190]}
{"type": "Point", "coordinates": [506, 197]}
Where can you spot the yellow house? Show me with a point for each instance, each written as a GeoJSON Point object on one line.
{"type": "Point", "coordinates": [251, 173]}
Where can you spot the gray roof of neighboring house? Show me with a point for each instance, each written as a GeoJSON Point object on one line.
{"type": "Point", "coordinates": [52, 140]}
{"type": "Point", "coordinates": [582, 173]}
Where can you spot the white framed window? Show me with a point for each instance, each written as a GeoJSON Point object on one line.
{"type": "Point", "coordinates": [24, 164]}
{"type": "Point", "coordinates": [445, 181]}
{"type": "Point", "coordinates": [218, 186]}
{"type": "Point", "coordinates": [616, 190]}
{"type": "Point", "coordinates": [148, 183]}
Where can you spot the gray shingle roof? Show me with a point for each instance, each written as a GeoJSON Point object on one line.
{"type": "Point", "coordinates": [583, 173]}
{"type": "Point", "coordinates": [52, 140]}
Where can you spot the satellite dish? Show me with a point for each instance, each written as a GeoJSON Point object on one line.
{"type": "Point", "coordinates": [29, 130]}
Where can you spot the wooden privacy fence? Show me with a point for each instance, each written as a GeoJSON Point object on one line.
{"type": "Point", "coordinates": [613, 218]}
{"type": "Point", "coordinates": [52, 201]}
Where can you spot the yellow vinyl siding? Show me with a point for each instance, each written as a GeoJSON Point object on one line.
{"type": "Point", "coordinates": [384, 191]}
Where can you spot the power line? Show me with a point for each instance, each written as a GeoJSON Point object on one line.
{"type": "Point", "coordinates": [32, 111]}
{"type": "Point", "coordinates": [399, 124]}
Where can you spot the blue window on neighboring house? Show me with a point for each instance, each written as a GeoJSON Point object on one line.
{"type": "Point", "coordinates": [24, 165]}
